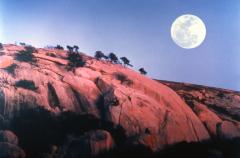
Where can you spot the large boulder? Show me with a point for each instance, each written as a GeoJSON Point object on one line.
{"type": "Point", "coordinates": [90, 144]}
{"type": "Point", "coordinates": [8, 150]}
{"type": "Point", "coordinates": [227, 130]}
{"type": "Point", "coordinates": [8, 137]}
{"type": "Point", "coordinates": [5, 61]}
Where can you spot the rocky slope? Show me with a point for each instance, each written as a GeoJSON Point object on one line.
{"type": "Point", "coordinates": [102, 106]}
{"type": "Point", "coordinates": [218, 109]}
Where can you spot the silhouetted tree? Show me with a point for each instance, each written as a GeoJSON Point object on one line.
{"type": "Point", "coordinates": [76, 48]}
{"type": "Point", "coordinates": [142, 71]}
{"type": "Point", "coordinates": [113, 58]}
{"type": "Point", "coordinates": [75, 60]}
{"type": "Point", "coordinates": [70, 49]}
{"type": "Point", "coordinates": [22, 44]}
{"type": "Point", "coordinates": [99, 55]}
{"type": "Point", "coordinates": [126, 61]}
{"type": "Point", "coordinates": [59, 47]}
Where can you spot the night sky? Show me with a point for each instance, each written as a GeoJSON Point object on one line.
{"type": "Point", "coordinates": [137, 29]}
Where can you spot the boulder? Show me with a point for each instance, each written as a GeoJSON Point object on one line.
{"type": "Point", "coordinates": [5, 61]}
{"type": "Point", "coordinates": [8, 150]}
{"type": "Point", "coordinates": [90, 144]}
{"type": "Point", "coordinates": [8, 137]}
{"type": "Point", "coordinates": [227, 130]}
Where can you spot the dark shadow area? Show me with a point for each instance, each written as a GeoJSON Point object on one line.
{"type": "Point", "coordinates": [38, 129]}
{"type": "Point", "coordinates": [26, 84]}
{"type": "Point", "coordinates": [11, 69]}
{"type": "Point", "coordinates": [209, 149]}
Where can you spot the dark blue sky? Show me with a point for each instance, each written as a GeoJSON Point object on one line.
{"type": "Point", "coordinates": [138, 29]}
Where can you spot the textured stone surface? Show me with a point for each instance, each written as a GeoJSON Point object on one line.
{"type": "Point", "coordinates": [146, 110]}
{"type": "Point", "coordinates": [218, 109]}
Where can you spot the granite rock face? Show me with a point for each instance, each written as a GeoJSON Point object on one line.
{"type": "Point", "coordinates": [218, 109]}
{"type": "Point", "coordinates": [149, 113]}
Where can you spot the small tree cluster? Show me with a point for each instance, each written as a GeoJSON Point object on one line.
{"type": "Point", "coordinates": [114, 59]}
{"type": "Point", "coordinates": [100, 55]}
{"type": "Point", "coordinates": [71, 49]}
{"type": "Point", "coordinates": [27, 54]}
{"type": "Point", "coordinates": [22, 44]}
{"type": "Point", "coordinates": [59, 47]}
{"type": "Point", "coordinates": [126, 61]}
{"type": "Point", "coordinates": [143, 71]}
{"type": "Point", "coordinates": [75, 59]}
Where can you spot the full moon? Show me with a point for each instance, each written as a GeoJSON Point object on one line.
{"type": "Point", "coordinates": [188, 31]}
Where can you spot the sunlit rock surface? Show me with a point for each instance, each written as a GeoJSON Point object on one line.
{"type": "Point", "coordinates": [149, 113]}
{"type": "Point", "coordinates": [218, 109]}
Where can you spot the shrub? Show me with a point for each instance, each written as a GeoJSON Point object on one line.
{"type": "Point", "coordinates": [123, 78]}
{"type": "Point", "coordinates": [30, 49]}
{"type": "Point", "coordinates": [59, 47]}
{"type": "Point", "coordinates": [26, 55]}
{"type": "Point", "coordinates": [76, 48]}
{"type": "Point", "coordinates": [113, 58]}
{"type": "Point", "coordinates": [220, 95]}
{"type": "Point", "coordinates": [126, 61]}
{"type": "Point", "coordinates": [70, 49]}
{"type": "Point", "coordinates": [99, 55]}
{"type": "Point", "coordinates": [26, 84]}
{"type": "Point", "coordinates": [22, 44]}
{"type": "Point", "coordinates": [75, 60]}
{"type": "Point", "coordinates": [11, 69]}
{"type": "Point", "coordinates": [142, 71]}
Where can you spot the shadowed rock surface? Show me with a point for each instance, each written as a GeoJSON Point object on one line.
{"type": "Point", "coordinates": [108, 100]}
